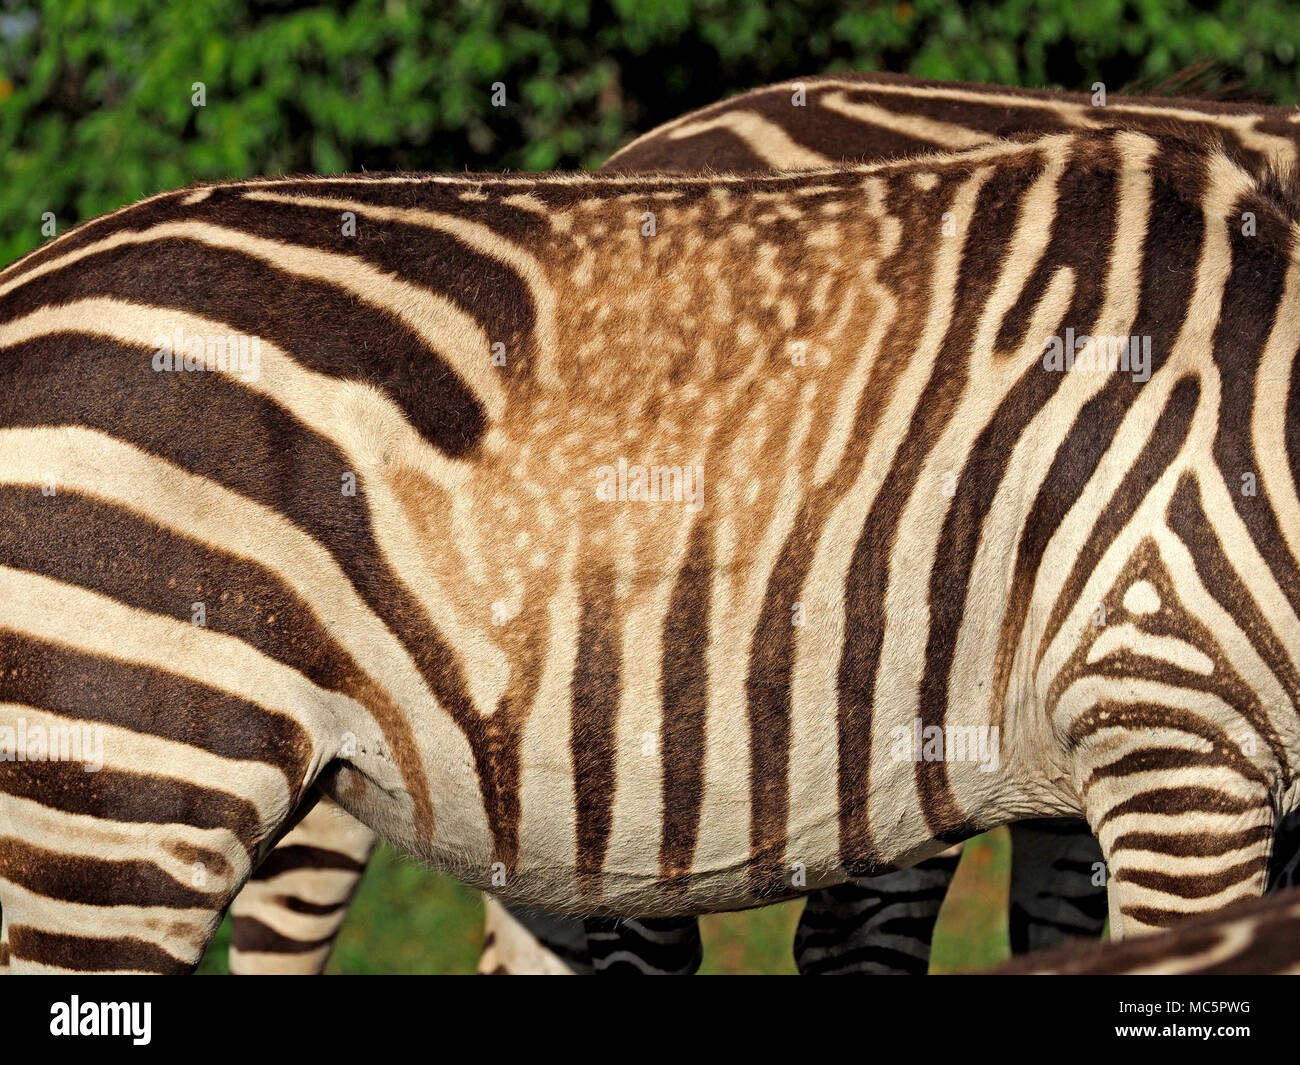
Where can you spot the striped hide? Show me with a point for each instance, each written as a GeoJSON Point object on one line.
{"type": "Point", "coordinates": [912, 532]}
{"type": "Point", "coordinates": [820, 121]}
{"type": "Point", "coordinates": [828, 120]}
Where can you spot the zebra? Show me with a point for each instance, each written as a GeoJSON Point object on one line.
{"type": "Point", "coordinates": [1115, 503]}
{"type": "Point", "coordinates": [883, 925]}
{"type": "Point", "coordinates": [834, 119]}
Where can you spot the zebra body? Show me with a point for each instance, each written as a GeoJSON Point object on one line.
{"type": "Point", "coordinates": [819, 121]}
{"type": "Point", "coordinates": [621, 621]}
{"type": "Point", "coordinates": [833, 119]}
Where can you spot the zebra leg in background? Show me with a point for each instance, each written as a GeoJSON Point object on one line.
{"type": "Point", "coordinates": [523, 941]}
{"type": "Point", "coordinates": [289, 913]}
{"type": "Point", "coordinates": [1057, 883]}
{"type": "Point", "coordinates": [1284, 863]}
{"type": "Point", "coordinates": [883, 924]}
{"type": "Point", "coordinates": [286, 917]}
{"type": "Point", "coordinates": [652, 946]}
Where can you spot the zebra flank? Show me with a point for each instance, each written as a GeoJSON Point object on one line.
{"type": "Point", "coordinates": [926, 496]}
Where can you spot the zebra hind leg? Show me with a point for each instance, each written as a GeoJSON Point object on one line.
{"type": "Point", "coordinates": [127, 863]}
{"type": "Point", "coordinates": [130, 898]}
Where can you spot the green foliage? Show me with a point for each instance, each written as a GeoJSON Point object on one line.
{"type": "Point", "coordinates": [95, 95]}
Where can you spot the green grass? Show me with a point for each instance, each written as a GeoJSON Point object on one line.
{"type": "Point", "coordinates": [408, 919]}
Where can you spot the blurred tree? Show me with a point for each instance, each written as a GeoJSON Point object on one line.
{"type": "Point", "coordinates": [96, 95]}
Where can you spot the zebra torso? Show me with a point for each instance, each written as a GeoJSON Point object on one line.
{"type": "Point", "coordinates": [873, 925]}
{"type": "Point", "coordinates": [794, 640]}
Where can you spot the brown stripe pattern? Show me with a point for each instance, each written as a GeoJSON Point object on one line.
{"type": "Point", "coordinates": [475, 642]}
